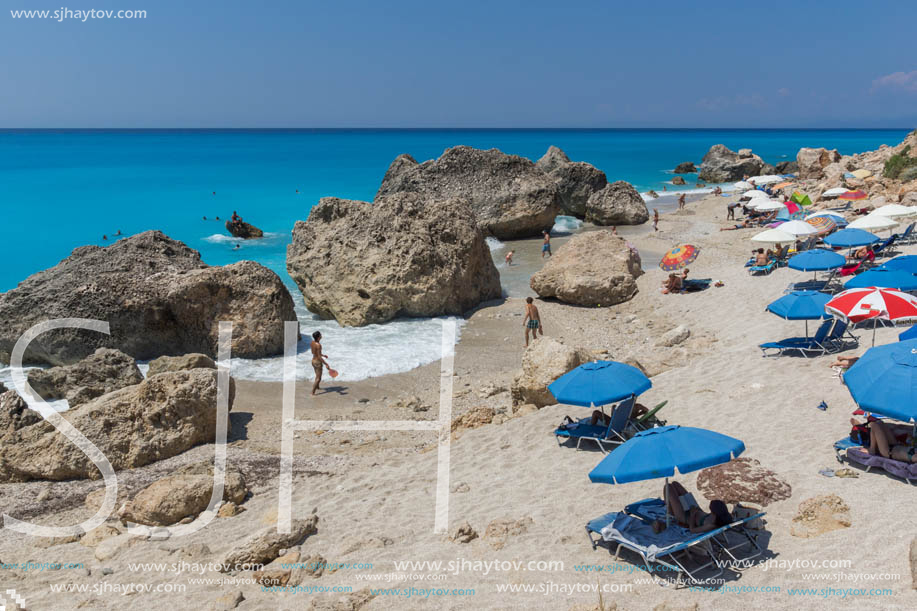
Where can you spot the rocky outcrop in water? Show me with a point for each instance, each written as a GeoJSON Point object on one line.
{"type": "Point", "coordinates": [135, 426]}
{"type": "Point", "coordinates": [403, 255]}
{"type": "Point", "coordinates": [617, 204]}
{"type": "Point", "coordinates": [576, 180]}
{"type": "Point", "coordinates": [787, 167]}
{"type": "Point", "coordinates": [592, 268]}
{"type": "Point", "coordinates": [241, 229]}
{"type": "Point", "coordinates": [102, 372]}
{"type": "Point", "coordinates": [510, 196]}
{"type": "Point", "coordinates": [158, 297]}
{"type": "Point", "coordinates": [813, 161]}
{"type": "Point", "coordinates": [686, 167]}
{"type": "Point", "coordinates": [721, 164]}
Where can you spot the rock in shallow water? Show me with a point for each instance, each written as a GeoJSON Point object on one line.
{"type": "Point", "coordinates": [618, 203]}
{"type": "Point", "coordinates": [721, 164]}
{"type": "Point", "coordinates": [576, 181]}
{"type": "Point", "coordinates": [403, 255]}
{"type": "Point", "coordinates": [157, 296]}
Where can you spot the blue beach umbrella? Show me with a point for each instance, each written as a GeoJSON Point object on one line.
{"type": "Point", "coordinates": [816, 260]}
{"type": "Point", "coordinates": [851, 238]}
{"type": "Point", "coordinates": [884, 381]}
{"type": "Point", "coordinates": [885, 278]}
{"type": "Point", "coordinates": [909, 334]}
{"type": "Point", "coordinates": [662, 451]}
{"type": "Point", "coordinates": [906, 263]}
{"type": "Point", "coordinates": [599, 383]}
{"type": "Point", "coordinates": [801, 305]}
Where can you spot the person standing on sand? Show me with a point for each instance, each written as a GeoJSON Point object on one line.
{"type": "Point", "coordinates": [655, 219]}
{"type": "Point", "coordinates": [532, 321]}
{"type": "Point", "coordinates": [546, 246]}
{"type": "Point", "coordinates": [318, 359]}
{"type": "Point", "coordinates": [681, 201]}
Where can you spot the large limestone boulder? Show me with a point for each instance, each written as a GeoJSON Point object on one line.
{"type": "Point", "coordinates": [592, 268]}
{"type": "Point", "coordinates": [813, 161]}
{"type": "Point", "coordinates": [576, 181]}
{"type": "Point", "coordinates": [241, 229]}
{"type": "Point", "coordinates": [184, 494]}
{"type": "Point", "coordinates": [194, 360]}
{"type": "Point", "coordinates": [686, 167]}
{"type": "Point", "coordinates": [743, 480]}
{"type": "Point", "coordinates": [158, 298]}
{"type": "Point", "coordinates": [403, 255]}
{"type": "Point", "coordinates": [544, 361]}
{"type": "Point", "coordinates": [102, 372]}
{"type": "Point", "coordinates": [618, 203]}
{"type": "Point", "coordinates": [787, 167]}
{"type": "Point", "coordinates": [721, 164]}
{"type": "Point", "coordinates": [266, 545]}
{"type": "Point", "coordinates": [510, 197]}
{"type": "Point", "coordinates": [135, 426]}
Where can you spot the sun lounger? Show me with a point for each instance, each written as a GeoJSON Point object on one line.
{"type": "Point", "coordinates": [649, 419]}
{"type": "Point", "coordinates": [614, 433]}
{"type": "Point", "coordinates": [817, 343]}
{"type": "Point", "coordinates": [884, 248]}
{"type": "Point", "coordinates": [666, 552]}
{"type": "Point", "coordinates": [826, 285]}
{"type": "Point", "coordinates": [847, 449]}
{"type": "Point", "coordinates": [843, 208]}
{"type": "Point", "coordinates": [907, 236]}
{"type": "Point", "coordinates": [650, 510]}
{"type": "Point", "coordinates": [763, 269]}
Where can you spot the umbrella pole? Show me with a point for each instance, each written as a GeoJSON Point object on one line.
{"type": "Point", "coordinates": [807, 329]}
{"type": "Point", "coordinates": [875, 322]}
{"type": "Point", "coordinates": [665, 499]}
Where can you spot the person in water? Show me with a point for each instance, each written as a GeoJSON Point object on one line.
{"type": "Point", "coordinates": [546, 245]}
{"type": "Point", "coordinates": [509, 257]}
{"type": "Point", "coordinates": [318, 359]}
{"type": "Point", "coordinates": [532, 321]}
{"type": "Point", "coordinates": [104, 237]}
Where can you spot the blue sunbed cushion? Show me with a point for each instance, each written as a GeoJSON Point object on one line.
{"type": "Point", "coordinates": [599, 523]}
{"type": "Point", "coordinates": [845, 444]}
{"type": "Point", "coordinates": [582, 429]}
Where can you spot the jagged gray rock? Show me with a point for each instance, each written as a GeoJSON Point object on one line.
{"type": "Point", "coordinates": [511, 198]}
{"type": "Point", "coordinates": [266, 545]}
{"type": "Point", "coordinates": [158, 297]}
{"type": "Point", "coordinates": [15, 414]}
{"type": "Point", "coordinates": [179, 363]}
{"type": "Point", "coordinates": [812, 162]}
{"type": "Point", "coordinates": [721, 164]}
{"type": "Point", "coordinates": [686, 167]}
{"type": "Point", "coordinates": [618, 203]}
{"type": "Point", "coordinates": [102, 372]}
{"type": "Point", "coordinates": [576, 181]}
{"type": "Point", "coordinates": [403, 255]}
{"type": "Point", "coordinates": [135, 426]}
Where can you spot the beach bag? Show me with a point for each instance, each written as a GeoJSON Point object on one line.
{"type": "Point", "coordinates": [742, 511]}
{"type": "Point", "coordinates": [860, 434]}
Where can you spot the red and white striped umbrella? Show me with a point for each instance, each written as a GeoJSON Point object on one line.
{"type": "Point", "coordinates": [856, 305]}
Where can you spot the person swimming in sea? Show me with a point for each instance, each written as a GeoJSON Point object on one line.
{"type": "Point", "coordinates": [119, 232]}
{"type": "Point", "coordinates": [509, 257]}
{"type": "Point", "coordinates": [104, 237]}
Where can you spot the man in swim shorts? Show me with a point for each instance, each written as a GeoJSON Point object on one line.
{"type": "Point", "coordinates": [532, 321]}
{"type": "Point", "coordinates": [318, 359]}
{"type": "Point", "coordinates": [546, 246]}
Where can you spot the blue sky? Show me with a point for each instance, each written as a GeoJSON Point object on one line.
{"type": "Point", "coordinates": [496, 63]}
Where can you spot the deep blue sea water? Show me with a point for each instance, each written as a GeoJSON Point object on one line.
{"type": "Point", "coordinates": [63, 189]}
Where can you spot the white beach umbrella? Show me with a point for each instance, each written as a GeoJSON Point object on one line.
{"type": "Point", "coordinates": [774, 236]}
{"type": "Point", "coordinates": [894, 211]}
{"type": "Point", "coordinates": [743, 186]}
{"type": "Point", "coordinates": [834, 192]}
{"type": "Point", "coordinates": [768, 206]}
{"type": "Point", "coordinates": [873, 222]}
{"type": "Point", "coordinates": [797, 228]}
{"type": "Point", "coordinates": [766, 179]}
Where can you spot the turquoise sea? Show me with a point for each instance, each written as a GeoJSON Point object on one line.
{"type": "Point", "coordinates": [61, 189]}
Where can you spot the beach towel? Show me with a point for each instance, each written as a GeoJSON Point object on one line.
{"type": "Point", "coordinates": [895, 467]}
{"type": "Point", "coordinates": [640, 534]}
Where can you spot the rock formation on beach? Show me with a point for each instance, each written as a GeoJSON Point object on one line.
{"type": "Point", "coordinates": [158, 297]}
{"type": "Point", "coordinates": [510, 196]}
{"type": "Point", "coordinates": [576, 181]}
{"type": "Point", "coordinates": [787, 167]}
{"type": "Point", "coordinates": [813, 161]}
{"type": "Point", "coordinates": [241, 229]}
{"type": "Point", "coordinates": [15, 413]}
{"type": "Point", "coordinates": [617, 204]}
{"type": "Point", "coordinates": [593, 268]}
{"type": "Point", "coordinates": [162, 416]}
{"type": "Point", "coordinates": [102, 372]}
{"type": "Point", "coordinates": [721, 164]}
{"type": "Point", "coordinates": [406, 254]}
{"type": "Point", "coordinates": [545, 360]}
{"type": "Point", "coordinates": [686, 167]}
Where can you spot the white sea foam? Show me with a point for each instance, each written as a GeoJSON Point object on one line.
{"type": "Point", "coordinates": [494, 244]}
{"type": "Point", "coordinates": [566, 224]}
{"type": "Point", "coordinates": [726, 188]}
{"type": "Point", "coordinates": [269, 239]}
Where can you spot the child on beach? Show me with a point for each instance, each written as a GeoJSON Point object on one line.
{"type": "Point", "coordinates": [509, 257]}
{"type": "Point", "coordinates": [532, 321]}
{"type": "Point", "coordinates": [546, 246]}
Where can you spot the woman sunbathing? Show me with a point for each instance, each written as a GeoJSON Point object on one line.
{"type": "Point", "coordinates": [844, 362]}
{"type": "Point", "coordinates": [684, 508]}
{"type": "Point", "coordinates": [859, 255]}
{"type": "Point", "coordinates": [743, 225]}
{"type": "Point", "coordinates": [890, 441]}
{"type": "Point", "coordinates": [673, 284]}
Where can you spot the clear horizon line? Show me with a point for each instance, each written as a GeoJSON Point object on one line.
{"type": "Point", "coordinates": [448, 128]}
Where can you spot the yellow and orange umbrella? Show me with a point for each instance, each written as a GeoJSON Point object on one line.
{"type": "Point", "coordinates": [823, 225]}
{"type": "Point", "coordinates": [853, 195]}
{"type": "Point", "coordinates": [679, 257]}
{"type": "Point", "coordinates": [781, 185]}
